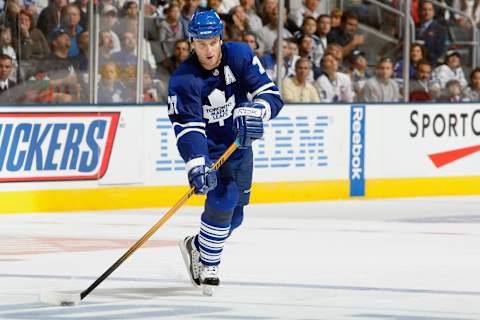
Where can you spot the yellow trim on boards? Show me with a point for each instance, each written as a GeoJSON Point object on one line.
{"type": "Point", "coordinates": [112, 198]}
{"type": "Point", "coordinates": [421, 187]}
{"type": "Point", "coordinates": [150, 197]}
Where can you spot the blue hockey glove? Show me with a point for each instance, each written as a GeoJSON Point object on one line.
{"type": "Point", "coordinates": [202, 178]}
{"type": "Point", "coordinates": [247, 123]}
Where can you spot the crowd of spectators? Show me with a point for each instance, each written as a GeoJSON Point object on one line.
{"type": "Point", "coordinates": [44, 54]}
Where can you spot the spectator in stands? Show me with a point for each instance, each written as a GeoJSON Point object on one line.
{"type": "Point", "coordinates": [9, 18]}
{"type": "Point", "coordinates": [336, 50]}
{"type": "Point", "coordinates": [128, 16]}
{"type": "Point", "coordinates": [49, 18]}
{"type": "Point", "coordinates": [346, 35]}
{"type": "Point", "coordinates": [452, 69]}
{"type": "Point", "coordinates": [453, 92]}
{"type": "Point", "coordinates": [61, 68]}
{"type": "Point", "coordinates": [71, 22]}
{"type": "Point", "coordinates": [110, 88]}
{"type": "Point", "coordinates": [323, 29]}
{"type": "Point", "coordinates": [336, 18]}
{"type": "Point", "coordinates": [83, 41]}
{"type": "Point", "coordinates": [470, 8]}
{"type": "Point", "coordinates": [381, 88]}
{"type": "Point", "coordinates": [7, 48]}
{"type": "Point", "coordinates": [105, 46]}
{"type": "Point", "coordinates": [153, 91]}
{"type": "Point", "coordinates": [32, 43]}
{"type": "Point", "coordinates": [291, 56]}
{"type": "Point", "coordinates": [268, 7]}
{"type": "Point", "coordinates": [472, 92]}
{"type": "Point", "coordinates": [126, 56]}
{"type": "Point", "coordinates": [254, 21]}
{"type": "Point", "coordinates": [109, 23]}
{"type": "Point", "coordinates": [333, 86]}
{"type": "Point", "coordinates": [268, 33]}
{"type": "Point", "coordinates": [6, 84]}
{"type": "Point", "coordinates": [417, 54]}
{"type": "Point", "coordinates": [187, 12]}
{"type": "Point", "coordinates": [181, 52]}
{"type": "Point", "coordinates": [269, 61]}
{"type": "Point", "coordinates": [422, 88]}
{"type": "Point", "coordinates": [83, 6]}
{"type": "Point", "coordinates": [309, 8]}
{"type": "Point", "coordinates": [169, 31]}
{"type": "Point", "coordinates": [239, 24]}
{"type": "Point", "coordinates": [432, 33]}
{"type": "Point", "coordinates": [251, 39]}
{"type": "Point", "coordinates": [309, 28]}
{"type": "Point", "coordinates": [299, 88]}
{"type": "Point", "coordinates": [306, 50]}
{"type": "Point", "coordinates": [360, 72]}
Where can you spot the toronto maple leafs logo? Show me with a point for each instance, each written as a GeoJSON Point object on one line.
{"type": "Point", "coordinates": [219, 108]}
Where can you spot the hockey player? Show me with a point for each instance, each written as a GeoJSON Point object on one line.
{"type": "Point", "coordinates": [219, 94]}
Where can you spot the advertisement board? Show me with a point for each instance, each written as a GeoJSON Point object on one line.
{"type": "Point", "coordinates": [107, 157]}
{"type": "Point", "coordinates": [434, 140]}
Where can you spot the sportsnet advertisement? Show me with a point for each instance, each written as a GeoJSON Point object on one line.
{"type": "Point", "coordinates": [439, 140]}
{"type": "Point", "coordinates": [55, 146]}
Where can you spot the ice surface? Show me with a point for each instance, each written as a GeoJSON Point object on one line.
{"type": "Point", "coordinates": [409, 259]}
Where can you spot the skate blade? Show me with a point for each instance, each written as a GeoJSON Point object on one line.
{"type": "Point", "coordinates": [186, 260]}
{"type": "Point", "coordinates": [208, 290]}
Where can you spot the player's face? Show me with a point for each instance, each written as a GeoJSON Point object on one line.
{"type": "Point", "coordinates": [208, 51]}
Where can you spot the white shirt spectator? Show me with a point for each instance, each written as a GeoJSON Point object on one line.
{"type": "Point", "coordinates": [444, 74]}
{"type": "Point", "coordinates": [227, 5]}
{"type": "Point", "coordinates": [267, 36]}
{"type": "Point", "coordinates": [297, 15]}
{"type": "Point", "coordinates": [339, 90]}
{"type": "Point", "coordinates": [254, 21]}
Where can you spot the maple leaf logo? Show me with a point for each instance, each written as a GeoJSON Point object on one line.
{"type": "Point", "coordinates": [220, 108]}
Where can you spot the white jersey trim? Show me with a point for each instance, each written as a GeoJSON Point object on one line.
{"type": "Point", "coordinates": [263, 88]}
{"type": "Point", "coordinates": [190, 124]}
{"type": "Point", "coordinates": [195, 162]}
{"type": "Point", "coordinates": [268, 109]}
{"type": "Point", "coordinates": [184, 132]}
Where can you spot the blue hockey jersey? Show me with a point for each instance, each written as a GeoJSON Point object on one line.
{"type": "Point", "coordinates": [201, 102]}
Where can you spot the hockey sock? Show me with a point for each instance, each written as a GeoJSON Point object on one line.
{"type": "Point", "coordinates": [211, 241]}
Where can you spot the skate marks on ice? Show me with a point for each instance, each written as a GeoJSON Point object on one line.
{"type": "Point", "coordinates": [109, 311]}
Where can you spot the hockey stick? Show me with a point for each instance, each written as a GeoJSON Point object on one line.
{"type": "Point", "coordinates": [71, 299]}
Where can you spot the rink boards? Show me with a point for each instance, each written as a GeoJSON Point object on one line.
{"type": "Point", "coordinates": [82, 158]}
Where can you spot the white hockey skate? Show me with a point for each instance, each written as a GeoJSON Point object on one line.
{"type": "Point", "coordinates": [209, 279]}
{"type": "Point", "coordinates": [191, 257]}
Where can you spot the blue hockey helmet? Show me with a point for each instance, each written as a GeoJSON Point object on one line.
{"type": "Point", "coordinates": [205, 24]}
